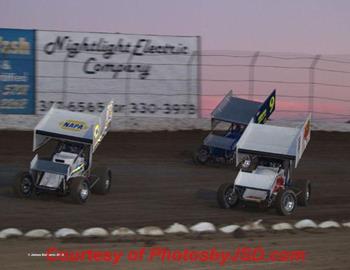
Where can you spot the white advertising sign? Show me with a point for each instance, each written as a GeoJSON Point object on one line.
{"type": "Point", "coordinates": [145, 75]}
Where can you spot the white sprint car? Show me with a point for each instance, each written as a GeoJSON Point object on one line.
{"type": "Point", "coordinates": [67, 170]}
{"type": "Point", "coordinates": [266, 155]}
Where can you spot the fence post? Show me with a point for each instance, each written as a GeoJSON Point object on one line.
{"type": "Point", "coordinates": [312, 82]}
{"type": "Point", "coordinates": [127, 88]}
{"type": "Point", "coordinates": [64, 81]}
{"type": "Point", "coordinates": [2, 60]}
{"type": "Point", "coordinates": [199, 77]}
{"type": "Point", "coordinates": [252, 74]}
{"type": "Point", "coordinates": [189, 78]}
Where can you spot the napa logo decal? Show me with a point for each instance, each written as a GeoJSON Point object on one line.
{"type": "Point", "coordinates": [73, 125]}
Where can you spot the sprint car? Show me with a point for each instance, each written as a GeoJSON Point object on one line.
{"type": "Point", "coordinates": [228, 122]}
{"type": "Point", "coordinates": [71, 138]}
{"type": "Point", "coordinates": [266, 156]}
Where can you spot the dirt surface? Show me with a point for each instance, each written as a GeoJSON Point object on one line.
{"type": "Point", "coordinates": [324, 250]}
{"type": "Point", "coordinates": [156, 183]}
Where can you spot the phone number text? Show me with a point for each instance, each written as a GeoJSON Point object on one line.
{"type": "Point", "coordinates": [132, 108]}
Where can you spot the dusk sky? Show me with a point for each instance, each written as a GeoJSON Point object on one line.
{"type": "Point", "coordinates": [313, 26]}
{"type": "Point", "coordinates": [299, 26]}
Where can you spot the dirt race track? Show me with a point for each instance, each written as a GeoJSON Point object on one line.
{"type": "Point", "coordinates": [156, 183]}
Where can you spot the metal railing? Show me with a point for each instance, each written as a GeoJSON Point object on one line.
{"type": "Point", "coordinates": [319, 84]}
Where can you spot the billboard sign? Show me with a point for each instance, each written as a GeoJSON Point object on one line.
{"type": "Point", "coordinates": [17, 71]}
{"type": "Point", "coordinates": [145, 75]}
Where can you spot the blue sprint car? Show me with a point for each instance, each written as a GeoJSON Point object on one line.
{"type": "Point", "coordinates": [228, 122]}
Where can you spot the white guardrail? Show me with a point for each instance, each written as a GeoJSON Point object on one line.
{"type": "Point", "coordinates": [28, 122]}
{"type": "Point", "coordinates": [175, 228]}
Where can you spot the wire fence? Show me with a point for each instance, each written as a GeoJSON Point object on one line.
{"type": "Point", "coordinates": [319, 84]}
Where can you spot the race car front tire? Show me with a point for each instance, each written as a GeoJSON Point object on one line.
{"type": "Point", "coordinates": [286, 202]}
{"type": "Point", "coordinates": [23, 185]}
{"type": "Point", "coordinates": [202, 155]}
{"type": "Point", "coordinates": [79, 189]}
{"type": "Point", "coordinates": [104, 183]}
{"type": "Point", "coordinates": [227, 197]}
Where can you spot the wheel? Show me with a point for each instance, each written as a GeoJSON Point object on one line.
{"type": "Point", "coordinates": [103, 185]}
{"type": "Point", "coordinates": [230, 157]}
{"type": "Point", "coordinates": [227, 197]}
{"type": "Point", "coordinates": [202, 155]}
{"type": "Point", "coordinates": [23, 186]}
{"type": "Point", "coordinates": [304, 187]}
{"type": "Point", "coordinates": [286, 202]}
{"type": "Point", "coordinates": [79, 190]}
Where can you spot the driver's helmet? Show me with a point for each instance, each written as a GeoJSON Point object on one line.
{"type": "Point", "coordinates": [71, 147]}
{"type": "Point", "coordinates": [240, 128]}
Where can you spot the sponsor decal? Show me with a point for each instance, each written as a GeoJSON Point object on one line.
{"type": "Point", "coordinates": [307, 130]}
{"type": "Point", "coordinates": [108, 48]}
{"type": "Point", "coordinates": [96, 131]}
{"type": "Point", "coordinates": [77, 169]}
{"type": "Point", "coordinates": [108, 64]}
{"type": "Point", "coordinates": [17, 71]}
{"type": "Point", "coordinates": [89, 45]}
{"type": "Point", "coordinates": [266, 109]}
{"type": "Point", "coordinates": [19, 46]}
{"type": "Point", "coordinates": [73, 125]}
{"type": "Point", "coordinates": [272, 103]}
{"type": "Point", "coordinates": [109, 112]}
{"type": "Point", "coordinates": [262, 117]}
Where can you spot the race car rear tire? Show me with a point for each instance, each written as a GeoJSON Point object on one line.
{"type": "Point", "coordinates": [286, 202]}
{"type": "Point", "coordinates": [304, 187]}
{"type": "Point", "coordinates": [227, 197]}
{"type": "Point", "coordinates": [202, 155]}
{"type": "Point", "coordinates": [103, 185]}
{"type": "Point", "coordinates": [23, 186]}
{"type": "Point", "coordinates": [79, 189]}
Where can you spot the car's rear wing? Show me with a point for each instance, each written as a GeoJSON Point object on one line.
{"type": "Point", "coordinates": [266, 108]}
{"type": "Point", "coordinates": [240, 111]}
{"type": "Point", "coordinates": [303, 139]}
{"type": "Point", "coordinates": [72, 126]}
{"type": "Point", "coordinates": [274, 141]}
